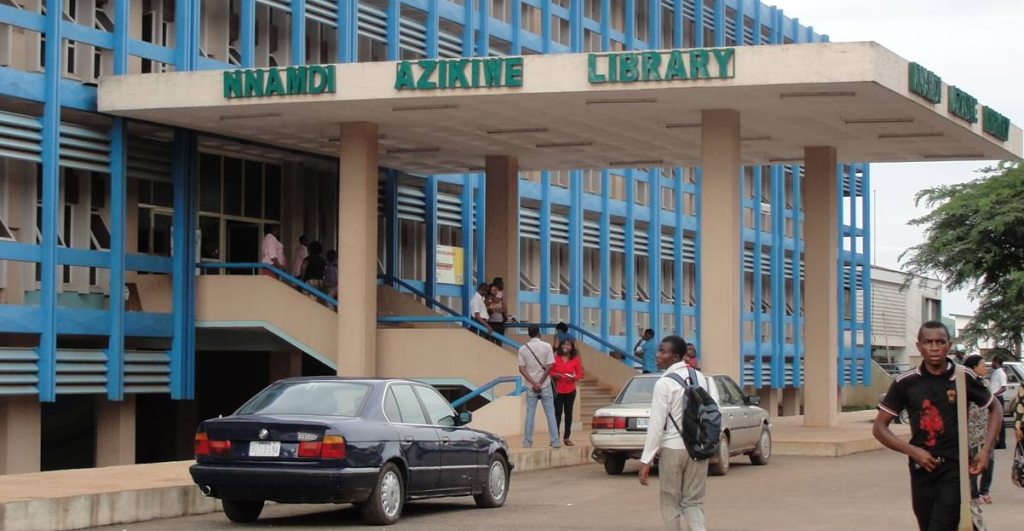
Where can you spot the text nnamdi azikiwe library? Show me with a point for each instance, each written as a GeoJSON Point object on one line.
{"type": "Point", "coordinates": [666, 175]}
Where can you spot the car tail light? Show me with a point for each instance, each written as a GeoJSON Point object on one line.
{"type": "Point", "coordinates": [204, 446]}
{"type": "Point", "coordinates": [608, 423]}
{"type": "Point", "coordinates": [620, 423]}
{"type": "Point", "coordinates": [309, 449]}
{"type": "Point", "coordinates": [333, 447]}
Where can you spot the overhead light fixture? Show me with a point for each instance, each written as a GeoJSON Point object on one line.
{"type": "Point", "coordinates": [862, 121]}
{"type": "Point", "coordinates": [909, 135]}
{"type": "Point", "coordinates": [755, 138]}
{"type": "Point", "coordinates": [957, 156]}
{"type": "Point", "coordinates": [424, 107]}
{"type": "Point", "coordinates": [837, 94]}
{"type": "Point", "coordinates": [381, 136]}
{"type": "Point", "coordinates": [402, 151]}
{"type": "Point", "coordinates": [621, 100]}
{"type": "Point", "coordinates": [792, 159]}
{"type": "Point", "coordinates": [246, 116]}
{"type": "Point", "coordinates": [584, 143]}
{"type": "Point", "coordinates": [684, 125]}
{"type": "Point", "coordinates": [521, 130]}
{"type": "Point", "coordinates": [650, 162]}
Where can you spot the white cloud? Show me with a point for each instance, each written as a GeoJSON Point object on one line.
{"type": "Point", "coordinates": [974, 45]}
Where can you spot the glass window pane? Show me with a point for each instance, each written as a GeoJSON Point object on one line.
{"type": "Point", "coordinates": [253, 189]}
{"type": "Point", "coordinates": [272, 194]}
{"type": "Point", "coordinates": [163, 194]}
{"type": "Point", "coordinates": [210, 229]}
{"type": "Point", "coordinates": [438, 409]}
{"type": "Point", "coordinates": [408, 405]}
{"type": "Point", "coordinates": [391, 407]}
{"type": "Point", "coordinates": [232, 186]}
{"type": "Point", "coordinates": [161, 235]}
{"type": "Point", "coordinates": [100, 232]}
{"type": "Point", "coordinates": [209, 183]}
{"type": "Point", "coordinates": [98, 197]}
{"type": "Point", "coordinates": [309, 398]}
{"type": "Point", "coordinates": [144, 229]}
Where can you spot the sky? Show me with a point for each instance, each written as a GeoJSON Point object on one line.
{"type": "Point", "coordinates": [972, 44]}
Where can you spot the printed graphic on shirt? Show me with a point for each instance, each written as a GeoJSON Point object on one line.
{"type": "Point", "coordinates": [931, 423]}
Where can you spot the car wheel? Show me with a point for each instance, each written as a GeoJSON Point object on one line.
{"type": "Point", "coordinates": [763, 452]}
{"type": "Point", "coordinates": [721, 465]}
{"type": "Point", "coordinates": [242, 511]}
{"type": "Point", "coordinates": [385, 504]}
{"type": "Point", "coordinates": [496, 487]}
{"type": "Point", "coordinates": [614, 464]}
{"type": "Point", "coordinates": [905, 417]}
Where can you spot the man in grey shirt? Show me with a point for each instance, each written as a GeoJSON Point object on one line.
{"type": "Point", "coordinates": [535, 361]}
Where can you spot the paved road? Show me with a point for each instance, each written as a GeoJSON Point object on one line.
{"type": "Point", "coordinates": [864, 491]}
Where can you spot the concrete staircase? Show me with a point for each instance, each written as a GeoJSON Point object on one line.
{"type": "Point", "coordinates": [593, 396]}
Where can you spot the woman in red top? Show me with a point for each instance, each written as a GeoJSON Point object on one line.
{"type": "Point", "coordinates": [566, 372]}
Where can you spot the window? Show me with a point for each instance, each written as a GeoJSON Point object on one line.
{"type": "Point", "coordinates": [309, 398]}
{"type": "Point", "coordinates": [391, 407]}
{"type": "Point", "coordinates": [438, 409]}
{"type": "Point", "coordinates": [728, 394]}
{"type": "Point", "coordinates": [408, 405]}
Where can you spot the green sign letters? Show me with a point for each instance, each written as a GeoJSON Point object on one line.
{"type": "Point", "coordinates": [963, 105]}
{"type": "Point", "coordinates": [995, 124]}
{"type": "Point", "coordinates": [630, 67]}
{"type": "Point", "coordinates": [925, 83]}
{"type": "Point", "coordinates": [290, 81]}
{"type": "Point", "coordinates": [433, 74]}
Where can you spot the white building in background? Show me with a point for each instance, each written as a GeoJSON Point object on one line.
{"type": "Point", "coordinates": [897, 310]}
{"type": "Point", "coordinates": [961, 321]}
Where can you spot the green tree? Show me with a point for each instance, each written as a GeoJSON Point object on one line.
{"type": "Point", "coordinates": [974, 239]}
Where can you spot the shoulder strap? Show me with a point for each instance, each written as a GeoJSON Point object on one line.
{"type": "Point", "coordinates": [534, 354]}
{"type": "Point", "coordinates": [966, 523]}
{"type": "Point", "coordinates": [682, 383]}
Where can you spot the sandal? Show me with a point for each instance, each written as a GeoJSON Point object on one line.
{"type": "Point", "coordinates": [987, 498]}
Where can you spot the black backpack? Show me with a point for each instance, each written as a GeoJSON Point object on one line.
{"type": "Point", "coordinates": [702, 421]}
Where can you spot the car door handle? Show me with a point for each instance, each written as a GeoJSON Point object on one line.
{"type": "Point", "coordinates": [446, 439]}
{"type": "Point", "coordinates": [408, 438]}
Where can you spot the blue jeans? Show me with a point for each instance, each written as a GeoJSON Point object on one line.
{"type": "Point", "coordinates": [547, 400]}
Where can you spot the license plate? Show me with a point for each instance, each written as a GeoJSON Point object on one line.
{"type": "Point", "coordinates": [641, 423]}
{"type": "Point", "coordinates": [264, 449]}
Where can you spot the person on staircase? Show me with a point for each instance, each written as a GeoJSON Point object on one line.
{"type": "Point", "coordinates": [568, 370]}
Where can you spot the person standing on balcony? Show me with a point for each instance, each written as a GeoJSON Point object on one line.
{"type": "Point", "coordinates": [478, 309]}
{"type": "Point", "coordinates": [647, 350]}
{"type": "Point", "coordinates": [568, 370]}
{"type": "Point", "coordinates": [536, 359]}
{"type": "Point", "coordinates": [331, 274]}
{"type": "Point", "coordinates": [496, 314]}
{"type": "Point", "coordinates": [561, 335]}
{"type": "Point", "coordinates": [691, 356]}
{"type": "Point", "coordinates": [299, 256]}
{"type": "Point", "coordinates": [273, 250]}
{"type": "Point", "coordinates": [314, 266]}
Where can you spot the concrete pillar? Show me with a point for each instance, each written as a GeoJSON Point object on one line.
{"type": "Point", "coordinates": [285, 365]}
{"type": "Point", "coordinates": [821, 244]}
{"type": "Point", "coordinates": [357, 253]}
{"type": "Point", "coordinates": [502, 234]}
{"type": "Point", "coordinates": [770, 400]}
{"type": "Point", "coordinates": [790, 402]}
{"type": "Point", "coordinates": [720, 243]}
{"type": "Point", "coordinates": [115, 431]}
{"type": "Point", "coordinates": [20, 434]}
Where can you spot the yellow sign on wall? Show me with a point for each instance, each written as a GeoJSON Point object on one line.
{"type": "Point", "coordinates": [449, 265]}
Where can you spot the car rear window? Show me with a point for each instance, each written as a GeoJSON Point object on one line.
{"type": "Point", "coordinates": [342, 399]}
{"type": "Point", "coordinates": [638, 391]}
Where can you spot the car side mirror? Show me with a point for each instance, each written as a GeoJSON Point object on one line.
{"type": "Point", "coordinates": [753, 400]}
{"type": "Point", "coordinates": [465, 418]}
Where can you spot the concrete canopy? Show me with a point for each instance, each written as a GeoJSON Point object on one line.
{"type": "Point", "coordinates": [853, 96]}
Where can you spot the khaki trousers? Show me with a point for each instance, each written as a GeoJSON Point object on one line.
{"type": "Point", "coordinates": [683, 483]}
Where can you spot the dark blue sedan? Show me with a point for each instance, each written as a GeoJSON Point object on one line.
{"type": "Point", "coordinates": [374, 443]}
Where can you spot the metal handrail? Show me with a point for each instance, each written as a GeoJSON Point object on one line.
{"type": "Point", "coordinates": [585, 333]}
{"type": "Point", "coordinates": [280, 274]}
{"type": "Point", "coordinates": [454, 316]}
{"type": "Point", "coordinates": [518, 380]}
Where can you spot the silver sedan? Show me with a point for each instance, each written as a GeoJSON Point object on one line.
{"type": "Point", "coordinates": [620, 429]}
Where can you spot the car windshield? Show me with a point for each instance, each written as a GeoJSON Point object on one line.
{"type": "Point", "coordinates": [638, 391]}
{"type": "Point", "coordinates": [343, 399]}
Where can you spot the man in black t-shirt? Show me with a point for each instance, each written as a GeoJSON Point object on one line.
{"type": "Point", "coordinates": [928, 393]}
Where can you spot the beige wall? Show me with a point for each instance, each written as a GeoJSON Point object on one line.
{"type": "Point", "coordinates": [455, 353]}
{"type": "Point", "coordinates": [867, 395]}
{"type": "Point", "coordinates": [607, 371]}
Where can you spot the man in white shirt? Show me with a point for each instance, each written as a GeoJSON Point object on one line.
{"type": "Point", "coordinates": [301, 252]}
{"type": "Point", "coordinates": [997, 384]}
{"type": "Point", "coordinates": [683, 480]}
{"type": "Point", "coordinates": [273, 250]}
{"type": "Point", "coordinates": [478, 307]}
{"type": "Point", "coordinates": [536, 358]}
